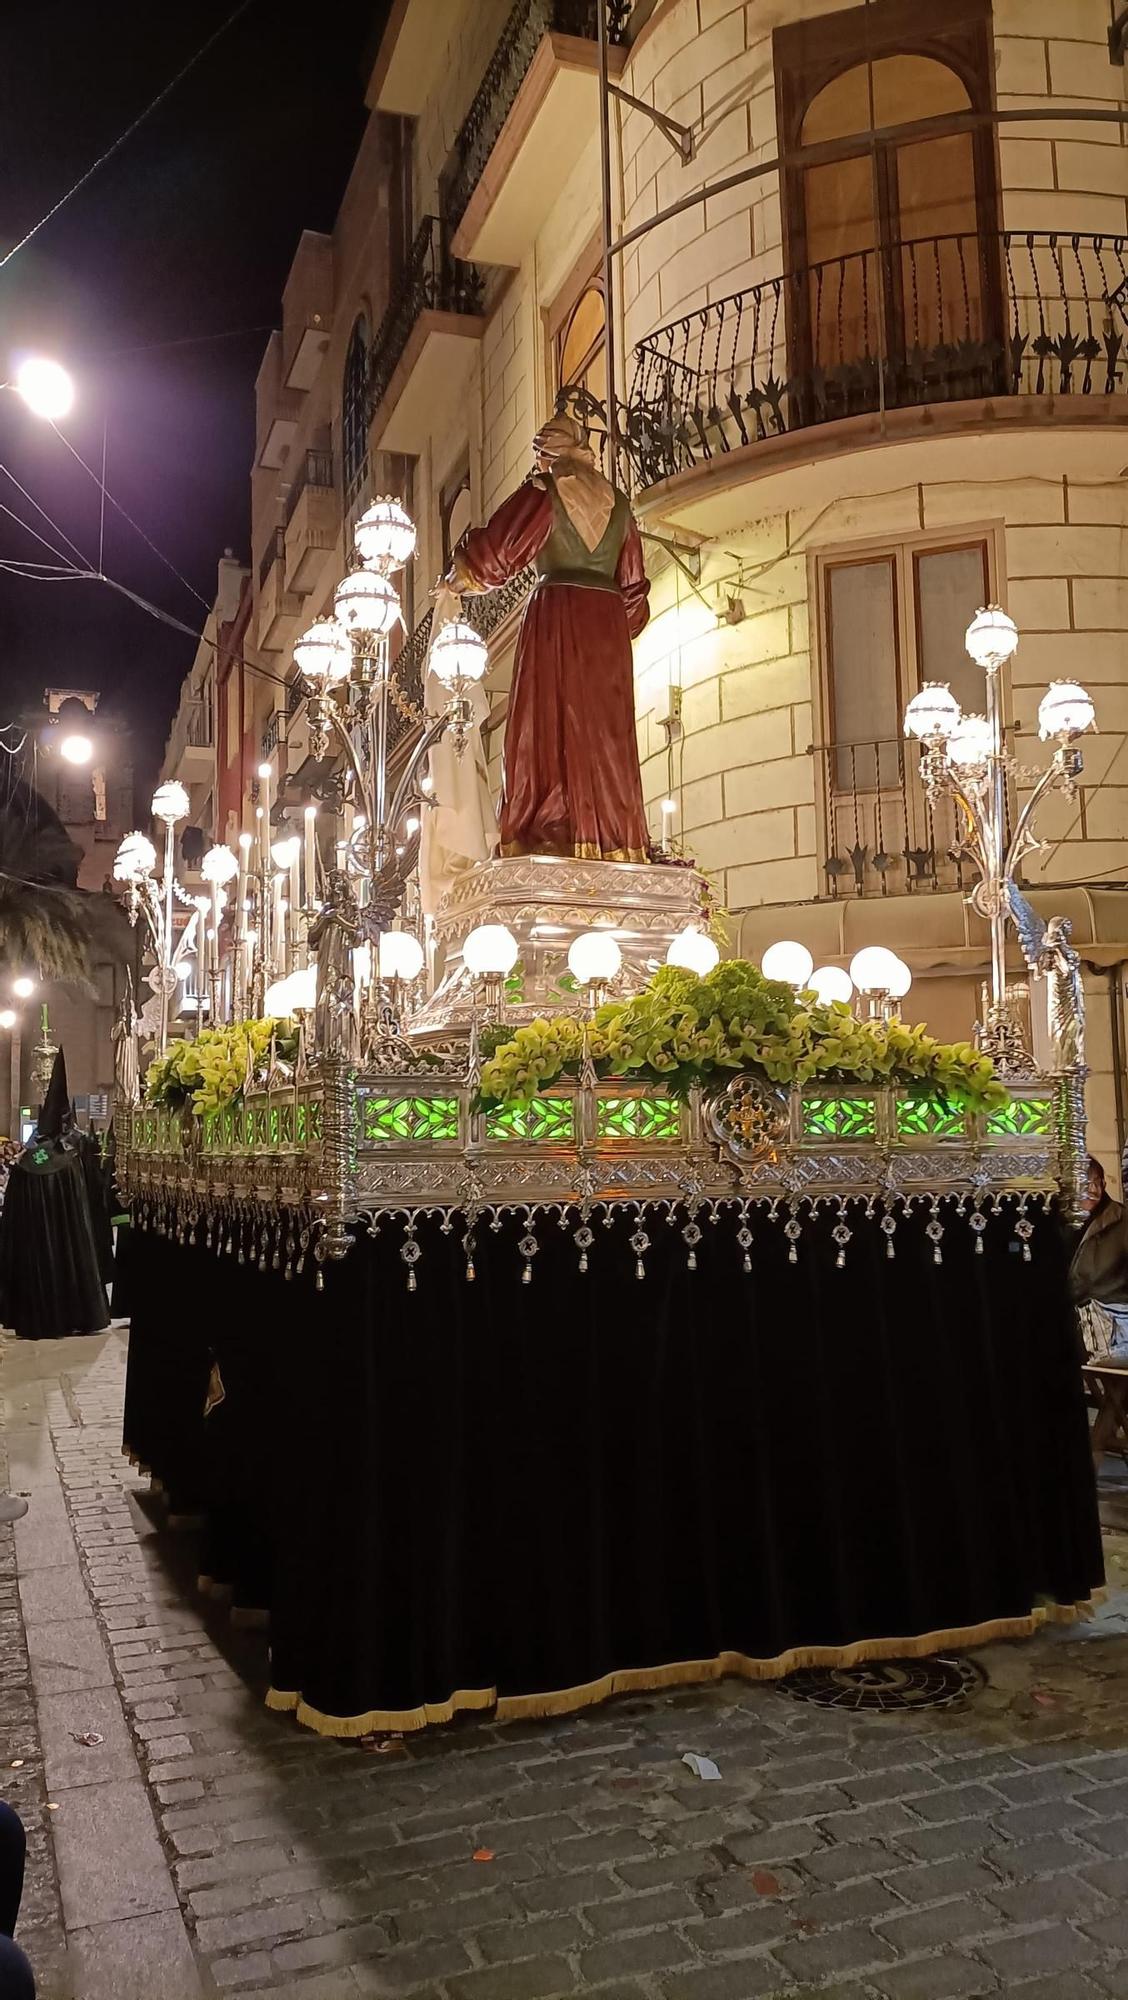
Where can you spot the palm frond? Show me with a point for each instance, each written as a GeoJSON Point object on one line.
{"type": "Point", "coordinates": [46, 923]}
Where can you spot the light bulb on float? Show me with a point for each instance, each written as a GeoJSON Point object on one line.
{"type": "Point", "coordinates": [489, 953]}
{"type": "Point", "coordinates": [991, 639]}
{"type": "Point", "coordinates": [693, 951]}
{"type": "Point", "coordinates": [1065, 710]}
{"type": "Point", "coordinates": [384, 536]}
{"type": "Point", "coordinates": [400, 956]}
{"type": "Point", "coordinates": [830, 983]}
{"type": "Point", "coordinates": [789, 962]}
{"type": "Point", "coordinates": [881, 976]}
{"type": "Point", "coordinates": [593, 960]}
{"type": "Point", "coordinates": [933, 713]}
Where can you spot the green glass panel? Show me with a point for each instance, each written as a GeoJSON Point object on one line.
{"type": "Point", "coordinates": [261, 1128]}
{"type": "Point", "coordinates": [273, 1126]}
{"type": "Point", "coordinates": [314, 1120]}
{"type": "Point", "coordinates": [409, 1118]}
{"type": "Point", "coordinates": [546, 1121]}
{"type": "Point", "coordinates": [213, 1128]}
{"type": "Point", "coordinates": [1022, 1118]}
{"type": "Point", "coordinates": [928, 1118]}
{"type": "Point", "coordinates": [227, 1127]}
{"type": "Point", "coordinates": [839, 1117]}
{"type": "Point", "coordinates": [286, 1124]}
{"type": "Point", "coordinates": [652, 1118]}
{"type": "Point", "coordinates": [301, 1124]}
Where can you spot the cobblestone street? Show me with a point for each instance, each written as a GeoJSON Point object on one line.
{"type": "Point", "coordinates": [203, 1845]}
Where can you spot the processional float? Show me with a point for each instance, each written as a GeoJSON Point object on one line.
{"type": "Point", "coordinates": [407, 1075]}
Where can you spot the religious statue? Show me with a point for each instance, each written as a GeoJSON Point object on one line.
{"type": "Point", "coordinates": [1049, 955]}
{"type": "Point", "coordinates": [127, 1080]}
{"type": "Point", "coordinates": [334, 934]}
{"type": "Point", "coordinates": [571, 783]}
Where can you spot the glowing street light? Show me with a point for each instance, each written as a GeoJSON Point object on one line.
{"type": "Point", "coordinates": [45, 388]}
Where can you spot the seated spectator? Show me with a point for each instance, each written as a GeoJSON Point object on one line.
{"type": "Point", "coordinates": [1098, 1272]}
{"type": "Point", "coordinates": [17, 1982]}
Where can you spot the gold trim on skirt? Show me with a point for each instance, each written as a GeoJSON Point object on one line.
{"type": "Point", "coordinates": [681, 1673]}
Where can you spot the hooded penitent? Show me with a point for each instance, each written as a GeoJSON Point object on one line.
{"type": "Point", "coordinates": [51, 1270]}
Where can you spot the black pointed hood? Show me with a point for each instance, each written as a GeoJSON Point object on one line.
{"type": "Point", "coordinates": [55, 1115]}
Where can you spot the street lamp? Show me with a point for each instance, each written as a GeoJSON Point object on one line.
{"type": "Point", "coordinates": [355, 696]}
{"type": "Point", "coordinates": [965, 757]}
{"type": "Point", "coordinates": [45, 388]}
{"type": "Point", "coordinates": [23, 987]}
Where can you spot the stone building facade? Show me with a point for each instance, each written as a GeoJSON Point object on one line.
{"type": "Point", "coordinates": [861, 393]}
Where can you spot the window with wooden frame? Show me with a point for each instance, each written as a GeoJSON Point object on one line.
{"type": "Point", "coordinates": [892, 245]}
{"type": "Point", "coordinates": [576, 325]}
{"type": "Point", "coordinates": [890, 619]}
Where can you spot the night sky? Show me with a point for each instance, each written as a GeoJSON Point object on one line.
{"type": "Point", "coordinates": [188, 231]}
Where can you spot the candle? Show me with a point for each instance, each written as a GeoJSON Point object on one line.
{"type": "Point", "coordinates": [264, 791]}
{"type": "Point", "coordinates": [310, 896]}
{"type": "Point", "coordinates": [279, 926]}
{"type": "Point", "coordinates": [241, 889]}
{"type": "Point", "coordinates": [295, 902]}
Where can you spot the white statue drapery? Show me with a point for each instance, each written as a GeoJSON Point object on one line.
{"type": "Point", "coordinates": [460, 826]}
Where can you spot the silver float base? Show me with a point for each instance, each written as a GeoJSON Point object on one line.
{"type": "Point", "coordinates": [547, 902]}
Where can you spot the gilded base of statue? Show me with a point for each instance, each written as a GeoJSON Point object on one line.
{"type": "Point", "coordinates": [547, 901]}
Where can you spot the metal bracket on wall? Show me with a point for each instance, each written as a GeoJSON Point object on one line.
{"type": "Point", "coordinates": [683, 141]}
{"type": "Point", "coordinates": [1118, 38]}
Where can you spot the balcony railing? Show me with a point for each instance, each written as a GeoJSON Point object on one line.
{"type": "Point", "coordinates": [879, 835]}
{"type": "Point", "coordinates": [506, 71]}
{"type": "Point", "coordinates": [939, 319]}
{"type": "Point", "coordinates": [275, 551]}
{"type": "Point", "coordinates": [272, 733]}
{"type": "Point", "coordinates": [314, 468]}
{"type": "Point", "coordinates": [432, 281]}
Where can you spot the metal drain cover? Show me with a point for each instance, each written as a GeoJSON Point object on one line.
{"type": "Point", "coordinates": [884, 1685]}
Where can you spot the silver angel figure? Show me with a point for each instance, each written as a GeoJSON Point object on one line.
{"type": "Point", "coordinates": [1049, 955]}
{"type": "Point", "coordinates": [334, 934]}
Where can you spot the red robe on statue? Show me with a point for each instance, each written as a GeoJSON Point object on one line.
{"type": "Point", "coordinates": [571, 778]}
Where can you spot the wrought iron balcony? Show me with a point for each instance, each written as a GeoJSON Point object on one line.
{"type": "Point", "coordinates": [271, 735]}
{"type": "Point", "coordinates": [519, 41]}
{"type": "Point", "coordinates": [939, 319]}
{"type": "Point", "coordinates": [878, 834]}
{"type": "Point", "coordinates": [313, 469]}
{"type": "Point", "coordinates": [433, 281]}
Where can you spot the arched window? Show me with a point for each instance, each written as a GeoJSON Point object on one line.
{"type": "Point", "coordinates": [581, 346]}
{"type": "Point", "coordinates": [354, 413]}
{"type": "Point", "coordinates": [893, 245]}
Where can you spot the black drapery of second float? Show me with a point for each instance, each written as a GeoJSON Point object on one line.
{"type": "Point", "coordinates": [535, 1494]}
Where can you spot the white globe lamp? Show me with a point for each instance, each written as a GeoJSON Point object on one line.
{"type": "Point", "coordinates": [490, 951]}
{"type": "Point", "coordinates": [459, 654]}
{"type": "Point", "coordinates": [1065, 710]}
{"type": "Point", "coordinates": [171, 802]}
{"type": "Point", "coordinates": [876, 970]}
{"type": "Point", "coordinates": [971, 742]}
{"type": "Point", "coordinates": [323, 654]}
{"type": "Point", "coordinates": [933, 712]}
{"type": "Point", "coordinates": [136, 856]}
{"type": "Point", "coordinates": [991, 638]}
{"type": "Point", "coordinates": [401, 955]}
{"type": "Point", "coordinates": [385, 535]}
{"type": "Point", "coordinates": [829, 983]}
{"type": "Point", "coordinates": [367, 602]}
{"type": "Point", "coordinates": [594, 958]}
{"type": "Point", "coordinates": [693, 951]}
{"type": "Point", "coordinates": [788, 962]}
{"type": "Point", "coordinates": [219, 865]}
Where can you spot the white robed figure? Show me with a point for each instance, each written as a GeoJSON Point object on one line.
{"type": "Point", "coordinates": [460, 825]}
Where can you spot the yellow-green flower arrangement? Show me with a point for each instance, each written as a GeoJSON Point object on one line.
{"type": "Point", "coordinates": [683, 1030]}
{"type": "Point", "coordinates": [210, 1073]}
